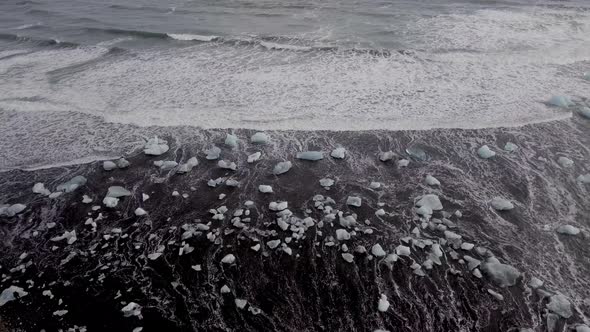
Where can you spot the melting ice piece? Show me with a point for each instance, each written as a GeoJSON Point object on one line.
{"type": "Point", "coordinates": [254, 157]}
{"type": "Point", "coordinates": [501, 204]}
{"type": "Point", "coordinates": [266, 189]}
{"type": "Point", "coordinates": [155, 147]}
{"type": "Point", "coordinates": [416, 153]}
{"type": "Point", "coordinates": [225, 289]}
{"type": "Point", "coordinates": [403, 163]}
{"type": "Point", "coordinates": [231, 141]}
{"type": "Point", "coordinates": [386, 156]}
{"type": "Point", "coordinates": [402, 250]}
{"type": "Point", "coordinates": [69, 236]}
{"type": "Point", "coordinates": [188, 166]}
{"type": "Point", "coordinates": [342, 234]}
{"type": "Point", "coordinates": [122, 163]}
{"type": "Point", "coordinates": [110, 202]}
{"type": "Point", "coordinates": [117, 191]}
{"type": "Point", "coordinates": [140, 212]}
{"type": "Point", "coordinates": [584, 178]}
{"type": "Point", "coordinates": [165, 165]}
{"type": "Point", "coordinates": [131, 309]}
{"type": "Point", "coordinates": [430, 201]}
{"type": "Point", "coordinates": [228, 259]}
{"type": "Point", "coordinates": [227, 165]}
{"type": "Point", "coordinates": [502, 274]}
{"type": "Point", "coordinates": [383, 303]}
{"type": "Point", "coordinates": [431, 180]}
{"type": "Point", "coordinates": [282, 167]}
{"type": "Point", "coordinates": [8, 294]}
{"type": "Point", "coordinates": [375, 185]}
{"type": "Point", "coordinates": [338, 153]}
{"type": "Point", "coordinates": [354, 201]}
{"type": "Point", "coordinates": [73, 184]}
{"type": "Point", "coordinates": [496, 295]}
{"type": "Point", "coordinates": [259, 138]}
{"type": "Point", "coordinates": [325, 182]}
{"type": "Point", "coordinates": [510, 147]}
{"type": "Point", "coordinates": [86, 199]}
{"type": "Point", "coordinates": [39, 188]}
{"type": "Point", "coordinates": [568, 230]}
{"type": "Point", "coordinates": [585, 112]}
{"type": "Point", "coordinates": [310, 155]}
{"type": "Point", "coordinates": [109, 165]}
{"type": "Point", "coordinates": [560, 101]}
{"type": "Point", "coordinates": [377, 251]}
{"type": "Point", "coordinates": [348, 257]}
{"type": "Point", "coordinates": [560, 305]}
{"type": "Point", "coordinates": [213, 153]}
{"type": "Point", "coordinates": [272, 244]}
{"type": "Point", "coordinates": [565, 162]}
{"type": "Point", "coordinates": [12, 210]}
{"type": "Point", "coordinates": [240, 303]}
{"type": "Point", "coordinates": [485, 152]}
{"type": "Point", "coordinates": [232, 183]}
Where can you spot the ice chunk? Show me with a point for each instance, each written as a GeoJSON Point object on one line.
{"type": "Point", "coordinates": [377, 251]}
{"type": "Point", "coordinates": [502, 274]}
{"type": "Point", "coordinates": [467, 246]}
{"type": "Point", "coordinates": [386, 156]}
{"type": "Point", "coordinates": [403, 163]}
{"type": "Point", "coordinates": [255, 247]}
{"type": "Point", "coordinates": [497, 295]}
{"type": "Point", "coordinates": [272, 244]}
{"type": "Point", "coordinates": [310, 155]}
{"type": "Point", "coordinates": [585, 112]}
{"type": "Point", "coordinates": [228, 259]}
{"type": "Point", "coordinates": [39, 188]}
{"type": "Point", "coordinates": [348, 257]}
{"type": "Point", "coordinates": [188, 166]}
{"type": "Point", "coordinates": [375, 185]}
{"type": "Point", "coordinates": [325, 182]}
{"type": "Point", "coordinates": [501, 204]}
{"type": "Point", "coordinates": [585, 178]}
{"type": "Point", "coordinates": [109, 165]}
{"type": "Point", "coordinates": [568, 230]}
{"type": "Point", "coordinates": [155, 147]}
{"type": "Point", "coordinates": [254, 157]}
{"type": "Point", "coordinates": [232, 183]}
{"type": "Point", "coordinates": [354, 201]}
{"type": "Point", "coordinates": [55, 194]}
{"type": "Point", "coordinates": [86, 199]}
{"type": "Point", "coordinates": [165, 165]}
{"type": "Point", "coordinates": [565, 162]}
{"type": "Point", "coordinates": [342, 235]}
{"type": "Point", "coordinates": [231, 140]}
{"type": "Point", "coordinates": [280, 206]}
{"type": "Point", "coordinates": [8, 294]}
{"type": "Point", "coordinates": [265, 189]}
{"type": "Point", "coordinates": [402, 250]}
{"type": "Point", "coordinates": [224, 289]}
{"type": "Point", "coordinates": [131, 309]}
{"type": "Point", "coordinates": [430, 201]}
{"type": "Point", "coordinates": [560, 305]}
{"type": "Point", "coordinates": [535, 282]}
{"type": "Point", "coordinates": [118, 191]}
{"type": "Point", "coordinates": [383, 303]}
{"type": "Point", "coordinates": [69, 236]}
{"type": "Point", "coordinates": [510, 147]}
{"type": "Point", "coordinates": [338, 153]}
{"type": "Point", "coordinates": [12, 210]}
{"type": "Point", "coordinates": [212, 153]}
{"type": "Point", "coordinates": [140, 212]}
{"type": "Point", "coordinates": [380, 213]}
{"type": "Point", "coordinates": [485, 152]}
{"type": "Point", "coordinates": [259, 138]}
{"type": "Point", "coordinates": [145, 197]}
{"type": "Point", "coordinates": [122, 163]}
{"type": "Point", "coordinates": [282, 167]}
{"type": "Point", "coordinates": [560, 101]}
{"type": "Point", "coordinates": [583, 328]}
{"type": "Point", "coordinates": [227, 165]}
{"type": "Point", "coordinates": [110, 202]}
{"type": "Point", "coordinates": [416, 153]}
{"type": "Point", "coordinates": [75, 183]}
{"type": "Point", "coordinates": [240, 303]}
{"type": "Point", "coordinates": [431, 180]}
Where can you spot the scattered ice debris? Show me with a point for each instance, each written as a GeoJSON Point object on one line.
{"type": "Point", "coordinates": [338, 153]}
{"type": "Point", "coordinates": [485, 152]}
{"type": "Point", "coordinates": [131, 309]}
{"type": "Point", "coordinates": [354, 201]}
{"type": "Point", "coordinates": [86, 199]}
{"type": "Point", "coordinates": [348, 257]}
{"type": "Point", "coordinates": [213, 153]}
{"type": "Point", "coordinates": [560, 101]}
{"type": "Point", "coordinates": [122, 163]}
{"type": "Point", "coordinates": [155, 147]}
{"type": "Point", "coordinates": [585, 178]}
{"type": "Point", "coordinates": [39, 188]}
{"type": "Point", "coordinates": [282, 167]}
{"type": "Point", "coordinates": [310, 155]}
{"type": "Point", "coordinates": [8, 294]}
{"type": "Point", "coordinates": [560, 305]}
{"type": "Point", "coordinates": [225, 290]}
{"type": "Point", "coordinates": [165, 165]}
{"type": "Point", "coordinates": [241, 303]}
{"type": "Point", "coordinates": [232, 140]}
{"type": "Point", "coordinates": [502, 274]}
{"type": "Point", "coordinates": [140, 212]}
{"type": "Point", "coordinates": [227, 165]}
{"type": "Point", "coordinates": [254, 157]}
{"type": "Point", "coordinates": [228, 259]}
{"type": "Point", "coordinates": [386, 156]}
{"type": "Point", "coordinates": [326, 183]}
{"type": "Point", "coordinates": [496, 295]}
{"type": "Point", "coordinates": [403, 163]}
{"type": "Point", "coordinates": [109, 165]}
{"type": "Point", "coordinates": [266, 189]}
{"type": "Point", "coordinates": [259, 138]}
{"type": "Point", "coordinates": [188, 166]}
{"type": "Point", "coordinates": [11, 210]}
{"type": "Point", "coordinates": [110, 202]}
{"type": "Point", "coordinates": [377, 251]}
{"type": "Point", "coordinates": [431, 180]}
{"type": "Point", "coordinates": [568, 230]}
{"type": "Point", "coordinates": [118, 191]}
{"type": "Point", "coordinates": [565, 162]}
{"type": "Point", "coordinates": [383, 303]}
{"type": "Point", "coordinates": [75, 183]}
{"type": "Point", "coordinates": [375, 185]}
{"type": "Point", "coordinates": [501, 204]}
{"type": "Point", "coordinates": [510, 147]}
{"type": "Point", "coordinates": [69, 236]}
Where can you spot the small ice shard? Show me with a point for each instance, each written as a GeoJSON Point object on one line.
{"type": "Point", "coordinates": [467, 246]}
{"type": "Point", "coordinates": [585, 178]}
{"type": "Point", "coordinates": [282, 167]}
{"type": "Point", "coordinates": [155, 147]}
{"type": "Point", "coordinates": [431, 180]}
{"type": "Point", "coordinates": [430, 201]}
{"type": "Point", "coordinates": [278, 206]}
{"type": "Point", "coordinates": [348, 257]}
{"type": "Point", "coordinates": [325, 182]}
{"type": "Point", "coordinates": [145, 197]}
{"type": "Point", "coordinates": [109, 165]}
{"type": "Point", "coordinates": [338, 153]}
{"type": "Point", "coordinates": [565, 162]}
{"type": "Point", "coordinates": [560, 101]}
{"type": "Point", "coordinates": [232, 183]}
{"type": "Point", "coordinates": [110, 202]}
{"type": "Point", "coordinates": [254, 157]}
{"type": "Point", "coordinates": [118, 191]}
{"type": "Point", "coordinates": [228, 259]}
{"type": "Point", "coordinates": [259, 138]}
{"type": "Point", "coordinates": [240, 303]}
{"type": "Point", "coordinates": [560, 305]}
{"type": "Point", "coordinates": [39, 188]}
{"type": "Point", "coordinates": [501, 204]}
{"type": "Point", "coordinates": [12, 210]}
{"type": "Point", "coordinates": [402, 250]}
{"type": "Point", "coordinates": [8, 294]}
{"type": "Point", "coordinates": [380, 213]}
{"type": "Point", "coordinates": [69, 236]}
{"type": "Point", "coordinates": [272, 244]}
{"type": "Point", "coordinates": [75, 183]}
{"type": "Point", "coordinates": [310, 155]}
{"type": "Point", "coordinates": [86, 199]}
{"type": "Point", "coordinates": [140, 212]}
{"type": "Point", "coordinates": [416, 153]}
{"type": "Point", "coordinates": [231, 140]}
{"type": "Point", "coordinates": [386, 156]}
{"type": "Point", "coordinates": [375, 185]}
{"type": "Point", "coordinates": [122, 163]}
{"type": "Point", "coordinates": [510, 147]}
{"type": "Point", "coordinates": [188, 166]}
{"type": "Point", "coordinates": [583, 328]}
{"type": "Point", "coordinates": [165, 165]}
{"type": "Point", "coordinates": [502, 274]}
{"type": "Point", "coordinates": [342, 234]}
{"type": "Point", "coordinates": [213, 153]}
{"type": "Point", "coordinates": [60, 312]}
{"type": "Point", "coordinates": [154, 256]}
{"type": "Point", "coordinates": [535, 282]}
{"type": "Point", "coordinates": [383, 303]}
{"type": "Point", "coordinates": [227, 165]}
{"type": "Point", "coordinates": [225, 290]}
{"type": "Point", "coordinates": [377, 251]}
{"type": "Point", "coordinates": [55, 194]}
{"type": "Point", "coordinates": [287, 250]}
{"type": "Point", "coordinates": [585, 112]}
{"type": "Point", "coordinates": [568, 230]}
{"type": "Point", "coordinates": [496, 295]}
{"type": "Point", "coordinates": [403, 163]}
{"type": "Point", "coordinates": [255, 247]}
{"type": "Point", "coordinates": [131, 309]}
{"type": "Point", "coordinates": [485, 152]}
{"type": "Point", "coordinates": [266, 189]}
{"type": "Point", "coordinates": [197, 267]}
{"type": "Point", "coordinates": [354, 201]}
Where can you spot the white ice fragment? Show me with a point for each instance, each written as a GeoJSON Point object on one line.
{"type": "Point", "coordinates": [60, 312]}
{"type": "Point", "coordinates": [585, 178]}
{"type": "Point", "coordinates": [402, 250]}
{"type": "Point", "coordinates": [212, 153]}
{"type": "Point", "coordinates": [568, 230]}
{"type": "Point", "coordinates": [467, 246]}
{"type": "Point", "coordinates": [109, 165]}
{"type": "Point", "coordinates": [348, 257]}
{"type": "Point", "coordinates": [117, 191]}
{"type": "Point", "coordinates": [232, 183]}
{"type": "Point", "coordinates": [140, 212]}
{"type": "Point", "coordinates": [227, 165]}
{"type": "Point", "coordinates": [386, 156]}
{"type": "Point", "coordinates": [342, 235]}
{"type": "Point", "coordinates": [39, 188]}
{"type": "Point", "coordinates": [582, 327]}
{"type": "Point", "coordinates": [69, 236]}
{"type": "Point", "coordinates": [510, 147]}
{"type": "Point", "coordinates": [282, 167]}
{"type": "Point", "coordinates": [502, 274]}
{"type": "Point", "coordinates": [585, 112]}
{"type": "Point", "coordinates": [228, 259]}
{"type": "Point", "coordinates": [188, 166]}
{"type": "Point", "coordinates": [431, 180]}
{"type": "Point", "coordinates": [485, 152]}
{"type": "Point", "coordinates": [338, 153]}
{"type": "Point", "coordinates": [287, 250]}
{"type": "Point", "coordinates": [354, 201]}
{"type": "Point", "coordinates": [383, 303]}
{"type": "Point", "coordinates": [565, 162]}
{"type": "Point", "coordinates": [110, 202]}
{"type": "Point", "coordinates": [86, 199]}
{"type": "Point", "coordinates": [73, 184]}
{"type": "Point", "coordinates": [501, 204]}
{"type": "Point", "coordinates": [122, 163]}
{"type": "Point", "coordinates": [254, 157]}
{"type": "Point", "coordinates": [231, 140]}
{"type": "Point", "coordinates": [55, 194]}
{"type": "Point", "coordinates": [535, 282]}
{"type": "Point", "coordinates": [131, 309]}
{"type": "Point", "coordinates": [403, 163]}
{"type": "Point", "coordinates": [496, 295]}
{"type": "Point", "coordinates": [155, 147]}
{"type": "Point", "coordinates": [325, 182]}
{"type": "Point", "coordinates": [375, 185]}
{"type": "Point", "coordinates": [224, 289]}
{"type": "Point", "coordinates": [380, 213]}
{"type": "Point", "coordinates": [265, 189]}
{"type": "Point", "coordinates": [240, 303]}
{"type": "Point", "coordinates": [560, 305]}
{"type": "Point", "coordinates": [310, 155]}
{"type": "Point", "coordinates": [255, 247]}
{"type": "Point", "coordinates": [278, 206]}
{"type": "Point", "coordinates": [560, 101]}
{"type": "Point", "coordinates": [12, 210]}
{"type": "Point", "coordinates": [145, 197]}
{"type": "Point", "coordinates": [377, 251]}
{"type": "Point", "coordinates": [430, 201]}
{"type": "Point", "coordinates": [272, 244]}
{"type": "Point", "coordinates": [197, 267]}
{"type": "Point", "coordinates": [259, 138]}
{"type": "Point", "coordinates": [8, 294]}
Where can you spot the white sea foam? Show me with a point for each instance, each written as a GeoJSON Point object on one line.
{"type": "Point", "coordinates": [188, 37]}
